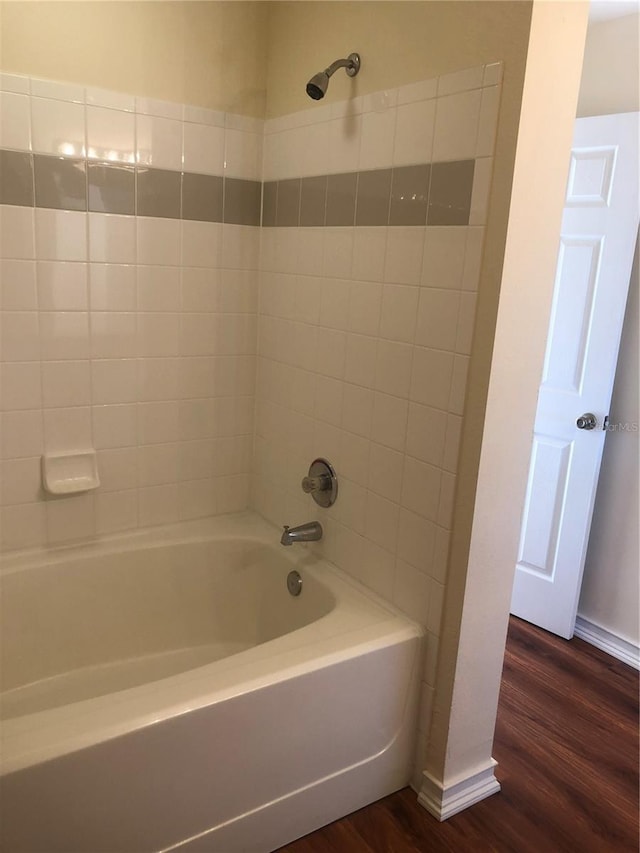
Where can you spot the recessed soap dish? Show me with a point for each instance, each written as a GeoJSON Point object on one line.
{"type": "Point", "coordinates": [70, 473]}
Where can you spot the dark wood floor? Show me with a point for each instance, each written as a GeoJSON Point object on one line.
{"type": "Point", "coordinates": [567, 748]}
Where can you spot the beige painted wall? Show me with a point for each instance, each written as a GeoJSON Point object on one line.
{"type": "Point", "coordinates": [611, 73]}
{"type": "Point", "coordinates": [610, 589]}
{"type": "Point", "coordinates": [211, 54]}
{"type": "Point", "coordinates": [611, 586]}
{"type": "Point", "coordinates": [399, 42]}
{"type": "Point", "coordinates": [463, 737]}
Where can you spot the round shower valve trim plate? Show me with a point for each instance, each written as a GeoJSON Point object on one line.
{"type": "Point", "coordinates": [321, 483]}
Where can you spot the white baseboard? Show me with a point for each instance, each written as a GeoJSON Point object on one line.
{"type": "Point", "coordinates": [610, 643]}
{"type": "Point", "coordinates": [443, 801]}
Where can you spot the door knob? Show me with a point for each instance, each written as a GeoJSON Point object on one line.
{"type": "Point", "coordinates": [586, 421]}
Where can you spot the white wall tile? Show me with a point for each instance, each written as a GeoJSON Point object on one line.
{"type": "Point", "coordinates": [113, 334]}
{"type": "Point", "coordinates": [158, 505]}
{"type": "Point", "coordinates": [172, 378]}
{"type": "Point", "coordinates": [20, 336]}
{"type": "Point", "coordinates": [393, 368]}
{"type": "Point", "coordinates": [15, 121]}
{"type": "Point", "coordinates": [23, 526]}
{"type": "Point", "coordinates": [385, 471]}
{"type": "Point", "coordinates": [58, 90]}
{"type": "Point", "coordinates": [357, 413]}
{"type": "Point", "coordinates": [158, 241]}
{"type": "Point", "coordinates": [389, 421]}
{"type": "Point", "coordinates": [115, 511]}
{"type": "Point", "coordinates": [481, 191]}
{"type": "Point", "coordinates": [115, 426]}
{"type": "Point", "coordinates": [414, 133]}
{"type": "Point", "coordinates": [156, 107]}
{"type": "Point", "coordinates": [452, 443]}
{"type": "Point", "coordinates": [66, 383]}
{"type": "Point", "coordinates": [466, 321]}
{"type": "Point", "coordinates": [378, 133]}
{"type": "Point", "coordinates": [473, 258]}
{"type": "Point", "coordinates": [360, 363]}
{"type": "Point", "coordinates": [21, 481]}
{"type": "Point", "coordinates": [488, 123]}
{"type": "Point", "coordinates": [426, 434]}
{"type": "Point", "coordinates": [242, 155]}
{"type": "Point", "coordinates": [444, 254]}
{"type": "Point", "coordinates": [64, 335]}
{"type": "Point", "coordinates": [403, 262]}
{"type": "Point", "coordinates": [365, 300]}
{"type": "Point", "coordinates": [110, 135]}
{"type": "Point", "coordinates": [203, 149]}
{"type": "Point", "coordinates": [158, 288]}
{"type": "Point", "coordinates": [112, 238]}
{"type": "Point", "coordinates": [460, 81]}
{"type": "Point", "coordinates": [344, 144]}
{"type": "Point", "coordinates": [420, 91]}
{"type": "Point", "coordinates": [158, 334]}
{"type": "Point", "coordinates": [67, 428]}
{"type": "Point", "coordinates": [456, 128]}
{"type": "Point", "coordinates": [421, 488]}
{"type": "Point", "coordinates": [431, 377]}
{"type": "Point", "coordinates": [159, 142]}
{"type": "Point", "coordinates": [492, 74]}
{"type": "Point", "coordinates": [438, 318]}
{"type": "Point", "coordinates": [58, 127]}
{"type": "Point", "coordinates": [369, 249]}
{"type": "Point", "coordinates": [338, 252]}
{"type": "Point", "coordinates": [61, 235]}
{"type": "Point", "coordinates": [21, 386]}
{"type": "Point", "coordinates": [17, 232]}
{"type": "Point", "coordinates": [157, 464]}
{"type": "Point", "coordinates": [62, 286]}
{"type": "Point", "coordinates": [21, 434]}
{"type": "Point", "coordinates": [158, 422]}
{"type": "Point", "coordinates": [118, 468]}
{"type": "Point", "coordinates": [353, 459]}
{"type": "Point", "coordinates": [112, 287]}
{"type": "Point", "coordinates": [200, 498]}
{"type": "Point", "coordinates": [460, 368]}
{"type": "Point", "coordinates": [398, 312]}
{"type": "Point", "coordinates": [201, 115]}
{"type": "Point", "coordinates": [416, 540]}
{"type": "Point", "coordinates": [381, 521]}
{"type": "Point", "coordinates": [412, 591]}
{"type": "Point", "coordinates": [18, 286]}
{"type": "Point", "coordinates": [114, 380]}
{"type": "Point", "coordinates": [69, 519]}
{"type": "Point", "coordinates": [15, 83]}
{"type": "Point", "coordinates": [201, 243]}
{"type": "Point", "coordinates": [95, 97]}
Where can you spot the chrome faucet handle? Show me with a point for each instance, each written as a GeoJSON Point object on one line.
{"type": "Point", "coordinates": [321, 483]}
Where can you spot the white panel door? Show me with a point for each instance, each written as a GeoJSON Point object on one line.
{"type": "Point", "coordinates": [599, 229]}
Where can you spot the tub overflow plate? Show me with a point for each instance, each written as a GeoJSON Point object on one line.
{"type": "Point", "coordinates": [294, 583]}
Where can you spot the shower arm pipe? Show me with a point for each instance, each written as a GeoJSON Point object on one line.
{"type": "Point", "coordinates": [347, 63]}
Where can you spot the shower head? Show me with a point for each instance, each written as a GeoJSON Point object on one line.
{"type": "Point", "coordinates": [317, 86]}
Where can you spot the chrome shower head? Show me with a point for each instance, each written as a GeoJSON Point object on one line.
{"type": "Point", "coordinates": [319, 83]}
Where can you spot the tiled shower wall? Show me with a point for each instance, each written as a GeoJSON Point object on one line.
{"type": "Point", "coordinates": [373, 215]}
{"type": "Point", "coordinates": [129, 256]}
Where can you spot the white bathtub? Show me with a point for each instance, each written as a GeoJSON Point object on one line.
{"type": "Point", "coordinates": [164, 691]}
